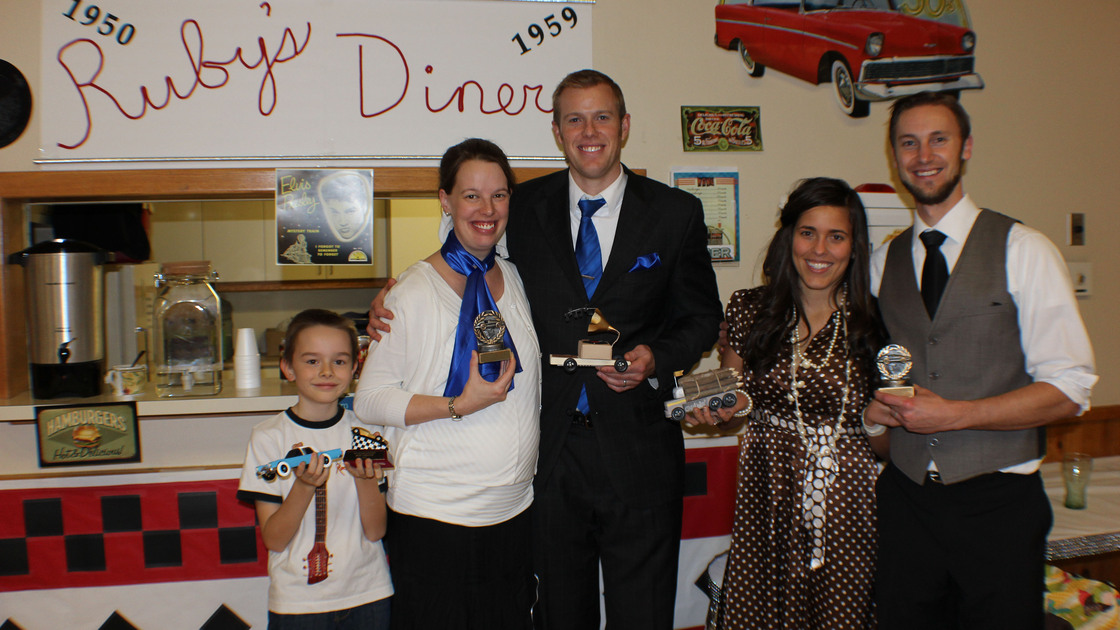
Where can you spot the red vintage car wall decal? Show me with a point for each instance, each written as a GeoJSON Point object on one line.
{"type": "Point", "coordinates": [870, 50]}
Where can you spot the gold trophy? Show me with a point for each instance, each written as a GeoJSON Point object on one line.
{"type": "Point", "coordinates": [894, 363]}
{"type": "Point", "coordinates": [489, 330]}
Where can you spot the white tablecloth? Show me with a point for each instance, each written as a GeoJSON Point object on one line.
{"type": "Point", "coordinates": [1091, 531]}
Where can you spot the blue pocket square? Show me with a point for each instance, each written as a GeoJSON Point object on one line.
{"type": "Point", "coordinates": [649, 261]}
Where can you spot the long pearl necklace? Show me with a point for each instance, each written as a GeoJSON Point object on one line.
{"type": "Point", "coordinates": [822, 464]}
{"type": "Point", "coordinates": [804, 360]}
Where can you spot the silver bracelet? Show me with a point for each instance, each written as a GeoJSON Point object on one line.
{"type": "Point", "coordinates": [745, 410]}
{"type": "Point", "coordinates": [871, 431]}
{"type": "Point", "coordinates": [451, 407]}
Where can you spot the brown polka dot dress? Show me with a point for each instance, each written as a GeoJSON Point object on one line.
{"type": "Point", "coordinates": [792, 499]}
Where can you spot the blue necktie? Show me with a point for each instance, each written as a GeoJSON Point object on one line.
{"type": "Point", "coordinates": [590, 260]}
{"type": "Point", "coordinates": [588, 255]}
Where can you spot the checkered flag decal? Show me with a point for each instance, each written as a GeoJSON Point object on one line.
{"type": "Point", "coordinates": [363, 440]}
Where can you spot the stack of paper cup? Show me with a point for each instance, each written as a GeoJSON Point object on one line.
{"type": "Point", "coordinates": [247, 360]}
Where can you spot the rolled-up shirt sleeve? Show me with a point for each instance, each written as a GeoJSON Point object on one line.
{"type": "Point", "coordinates": [1052, 333]}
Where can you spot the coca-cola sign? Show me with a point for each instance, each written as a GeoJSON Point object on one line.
{"type": "Point", "coordinates": [721, 129]}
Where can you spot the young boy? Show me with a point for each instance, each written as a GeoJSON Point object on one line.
{"type": "Point", "coordinates": [326, 564]}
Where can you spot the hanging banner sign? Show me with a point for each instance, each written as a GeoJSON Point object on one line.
{"type": "Point", "coordinates": [294, 80]}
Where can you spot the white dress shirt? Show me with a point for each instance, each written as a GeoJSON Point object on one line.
{"type": "Point", "coordinates": [1051, 333]}
{"type": "Point", "coordinates": [605, 219]}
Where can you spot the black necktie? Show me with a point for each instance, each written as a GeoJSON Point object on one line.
{"type": "Point", "coordinates": [935, 272]}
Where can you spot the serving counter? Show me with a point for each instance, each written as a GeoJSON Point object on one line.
{"type": "Point", "coordinates": [273, 391]}
{"type": "Point", "coordinates": [175, 433]}
{"type": "Point", "coordinates": [1086, 542]}
{"type": "Point", "coordinates": [114, 535]}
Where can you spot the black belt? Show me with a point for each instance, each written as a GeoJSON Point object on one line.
{"type": "Point", "coordinates": [580, 419]}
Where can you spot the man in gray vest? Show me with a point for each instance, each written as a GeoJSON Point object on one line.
{"type": "Point", "coordinates": [984, 305]}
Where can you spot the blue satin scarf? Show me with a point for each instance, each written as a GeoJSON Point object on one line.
{"type": "Point", "coordinates": [476, 299]}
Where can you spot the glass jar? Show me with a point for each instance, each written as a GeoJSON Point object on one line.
{"type": "Point", "coordinates": [187, 330]}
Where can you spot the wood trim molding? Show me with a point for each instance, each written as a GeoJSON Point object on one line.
{"type": "Point", "coordinates": [60, 474]}
{"type": "Point", "coordinates": [1103, 413]}
{"type": "Point", "coordinates": [1096, 432]}
{"type": "Point", "coordinates": [190, 184]}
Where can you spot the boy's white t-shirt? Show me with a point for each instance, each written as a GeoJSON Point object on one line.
{"type": "Point", "coordinates": [357, 572]}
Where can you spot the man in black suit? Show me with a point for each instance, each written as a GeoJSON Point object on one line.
{"type": "Point", "coordinates": [609, 483]}
{"type": "Point", "coordinates": [609, 479]}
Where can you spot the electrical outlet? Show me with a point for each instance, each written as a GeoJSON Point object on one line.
{"type": "Point", "coordinates": [1081, 275]}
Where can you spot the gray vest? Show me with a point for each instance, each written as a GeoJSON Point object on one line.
{"type": "Point", "coordinates": [970, 350]}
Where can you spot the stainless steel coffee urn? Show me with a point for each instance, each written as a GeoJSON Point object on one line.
{"type": "Point", "coordinates": [66, 316]}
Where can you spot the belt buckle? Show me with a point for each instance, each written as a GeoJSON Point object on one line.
{"type": "Point", "coordinates": [934, 476]}
{"type": "Point", "coordinates": [580, 419]}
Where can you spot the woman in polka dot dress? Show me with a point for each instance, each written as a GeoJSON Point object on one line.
{"type": "Point", "coordinates": [803, 545]}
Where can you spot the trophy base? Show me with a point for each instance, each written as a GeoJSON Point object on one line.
{"type": "Point", "coordinates": [906, 391]}
{"type": "Point", "coordinates": [378, 455]}
{"type": "Point", "coordinates": [494, 356]}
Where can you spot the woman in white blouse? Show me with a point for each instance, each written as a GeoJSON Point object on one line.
{"type": "Point", "coordinates": [463, 436]}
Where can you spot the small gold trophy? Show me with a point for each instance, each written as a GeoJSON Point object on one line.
{"type": "Point", "coordinates": [894, 363]}
{"type": "Point", "coordinates": [489, 330]}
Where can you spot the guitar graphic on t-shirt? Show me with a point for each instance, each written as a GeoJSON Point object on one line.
{"type": "Point", "coordinates": [318, 561]}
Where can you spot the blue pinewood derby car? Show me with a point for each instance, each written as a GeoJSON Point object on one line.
{"type": "Point", "coordinates": [284, 467]}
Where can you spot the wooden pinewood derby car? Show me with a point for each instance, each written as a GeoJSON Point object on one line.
{"type": "Point", "coordinates": [712, 389]}
{"type": "Point", "coordinates": [592, 353]}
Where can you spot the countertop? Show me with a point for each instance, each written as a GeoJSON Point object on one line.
{"type": "Point", "coordinates": [273, 395]}
{"type": "Point", "coordinates": [1091, 531]}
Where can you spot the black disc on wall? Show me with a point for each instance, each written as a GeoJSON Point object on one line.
{"type": "Point", "coordinates": [15, 103]}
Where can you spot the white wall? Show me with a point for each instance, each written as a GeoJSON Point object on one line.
{"type": "Point", "coordinates": [1043, 128]}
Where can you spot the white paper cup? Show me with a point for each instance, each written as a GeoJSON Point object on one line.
{"type": "Point", "coordinates": [246, 342]}
{"type": "Point", "coordinates": [247, 371]}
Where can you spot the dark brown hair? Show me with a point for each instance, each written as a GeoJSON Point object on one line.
{"type": "Point", "coordinates": [318, 317]}
{"type": "Point", "coordinates": [783, 284]}
{"type": "Point", "coordinates": [467, 150]}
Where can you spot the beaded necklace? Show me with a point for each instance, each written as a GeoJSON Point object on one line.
{"type": "Point", "coordinates": [822, 464]}
{"type": "Point", "coordinates": [796, 339]}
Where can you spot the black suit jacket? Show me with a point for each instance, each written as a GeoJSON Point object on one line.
{"type": "Point", "coordinates": [674, 308]}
